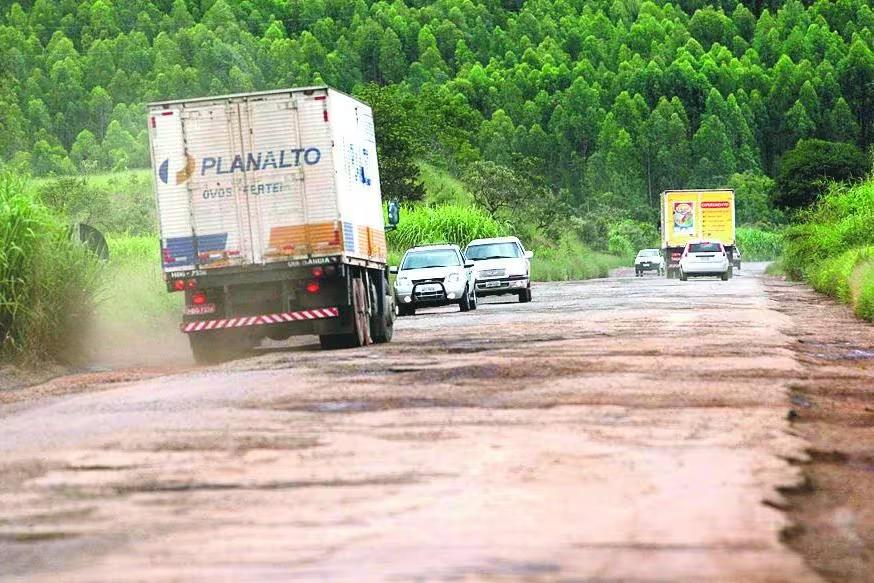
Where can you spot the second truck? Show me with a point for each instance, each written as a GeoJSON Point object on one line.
{"type": "Point", "coordinates": [271, 219]}
{"type": "Point", "coordinates": [695, 215]}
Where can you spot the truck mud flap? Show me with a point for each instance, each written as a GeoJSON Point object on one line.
{"type": "Point", "coordinates": [262, 320]}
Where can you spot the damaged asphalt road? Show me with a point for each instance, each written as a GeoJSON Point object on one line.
{"type": "Point", "coordinates": [620, 429]}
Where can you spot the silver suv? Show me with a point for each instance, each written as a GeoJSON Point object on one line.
{"type": "Point", "coordinates": [434, 275]}
{"type": "Point", "coordinates": [503, 266]}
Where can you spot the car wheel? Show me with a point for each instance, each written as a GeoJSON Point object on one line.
{"type": "Point", "coordinates": [724, 276]}
{"type": "Point", "coordinates": [474, 300]}
{"type": "Point", "coordinates": [683, 276]}
{"type": "Point", "coordinates": [525, 295]}
{"type": "Point", "coordinates": [406, 310]}
{"type": "Point", "coordinates": [464, 303]}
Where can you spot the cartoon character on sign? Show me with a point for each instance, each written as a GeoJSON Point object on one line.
{"type": "Point", "coordinates": [684, 218]}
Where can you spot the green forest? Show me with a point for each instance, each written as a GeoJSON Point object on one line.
{"type": "Point", "coordinates": [558, 120]}
{"type": "Point", "coordinates": [603, 103]}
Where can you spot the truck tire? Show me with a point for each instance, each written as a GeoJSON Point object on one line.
{"type": "Point", "coordinates": [406, 310]}
{"type": "Point", "coordinates": [724, 276]}
{"type": "Point", "coordinates": [683, 276]}
{"type": "Point", "coordinates": [464, 302]}
{"type": "Point", "coordinates": [383, 325]}
{"type": "Point", "coordinates": [217, 347]}
{"type": "Point", "coordinates": [360, 334]}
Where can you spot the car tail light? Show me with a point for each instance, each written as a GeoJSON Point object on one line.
{"type": "Point", "coordinates": [313, 287]}
{"type": "Point", "coordinates": [318, 272]}
{"type": "Point", "coordinates": [179, 285]}
{"type": "Point", "coordinates": [198, 298]}
{"type": "Point", "coordinates": [191, 284]}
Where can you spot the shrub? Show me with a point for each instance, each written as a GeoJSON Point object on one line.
{"type": "Point", "coordinates": [806, 170]}
{"type": "Point", "coordinates": [626, 237]}
{"type": "Point", "coordinates": [47, 282]}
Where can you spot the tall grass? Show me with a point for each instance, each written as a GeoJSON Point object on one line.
{"type": "Point", "coordinates": [571, 260]}
{"type": "Point", "coordinates": [425, 225]}
{"type": "Point", "coordinates": [832, 246]}
{"type": "Point", "coordinates": [47, 282]}
{"type": "Point", "coordinates": [758, 244]}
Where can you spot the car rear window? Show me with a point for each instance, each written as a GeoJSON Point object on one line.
{"type": "Point", "coordinates": [705, 248]}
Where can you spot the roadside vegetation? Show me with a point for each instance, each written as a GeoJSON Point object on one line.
{"type": "Point", "coordinates": [757, 244]}
{"type": "Point", "coordinates": [559, 122]}
{"type": "Point", "coordinates": [48, 284]}
{"type": "Point", "coordinates": [832, 246]}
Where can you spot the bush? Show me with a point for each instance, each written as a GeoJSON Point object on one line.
{"type": "Point", "coordinates": [626, 237]}
{"type": "Point", "coordinates": [120, 202]}
{"type": "Point", "coordinates": [758, 244]}
{"type": "Point", "coordinates": [806, 170]}
{"type": "Point", "coordinates": [47, 282]}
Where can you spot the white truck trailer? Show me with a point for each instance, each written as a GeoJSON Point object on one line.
{"type": "Point", "coordinates": [271, 219]}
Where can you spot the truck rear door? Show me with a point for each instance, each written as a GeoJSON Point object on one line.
{"type": "Point", "coordinates": [288, 176]}
{"type": "Point", "coordinates": [220, 217]}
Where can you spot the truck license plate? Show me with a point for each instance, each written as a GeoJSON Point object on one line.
{"type": "Point", "coordinates": [493, 284]}
{"type": "Point", "coordinates": [429, 288]}
{"type": "Point", "coordinates": [199, 310]}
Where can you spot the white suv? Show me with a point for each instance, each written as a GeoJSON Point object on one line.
{"type": "Point", "coordinates": [502, 266]}
{"type": "Point", "coordinates": [434, 275]}
{"type": "Point", "coordinates": [704, 258]}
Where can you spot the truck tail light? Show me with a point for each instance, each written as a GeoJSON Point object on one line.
{"type": "Point", "coordinates": [313, 287]}
{"type": "Point", "coordinates": [318, 272]}
{"type": "Point", "coordinates": [198, 298]}
{"type": "Point", "coordinates": [179, 285]}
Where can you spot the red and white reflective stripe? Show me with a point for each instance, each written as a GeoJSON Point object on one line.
{"type": "Point", "coordinates": [314, 314]}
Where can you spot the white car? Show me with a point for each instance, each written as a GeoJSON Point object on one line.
{"type": "Point", "coordinates": [649, 260]}
{"type": "Point", "coordinates": [704, 258]}
{"type": "Point", "coordinates": [434, 275]}
{"type": "Point", "coordinates": [502, 266]}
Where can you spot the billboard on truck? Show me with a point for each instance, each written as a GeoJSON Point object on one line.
{"type": "Point", "coordinates": [267, 177]}
{"type": "Point", "coordinates": [690, 215]}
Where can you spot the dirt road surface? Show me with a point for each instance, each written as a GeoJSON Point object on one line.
{"type": "Point", "coordinates": [615, 430]}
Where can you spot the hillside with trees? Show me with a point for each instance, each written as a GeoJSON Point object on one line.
{"type": "Point", "coordinates": [593, 106]}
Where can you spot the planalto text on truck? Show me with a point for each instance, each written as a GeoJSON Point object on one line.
{"type": "Point", "coordinates": [271, 219]}
{"type": "Point", "coordinates": [695, 215]}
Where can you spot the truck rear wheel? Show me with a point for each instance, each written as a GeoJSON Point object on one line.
{"type": "Point", "coordinates": [216, 347]}
{"type": "Point", "coordinates": [360, 334]}
{"type": "Point", "coordinates": [383, 325]}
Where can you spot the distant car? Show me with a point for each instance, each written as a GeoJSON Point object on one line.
{"type": "Point", "coordinates": [502, 266]}
{"type": "Point", "coordinates": [704, 258]}
{"type": "Point", "coordinates": [434, 275]}
{"type": "Point", "coordinates": [735, 260]}
{"type": "Point", "coordinates": [649, 260]}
